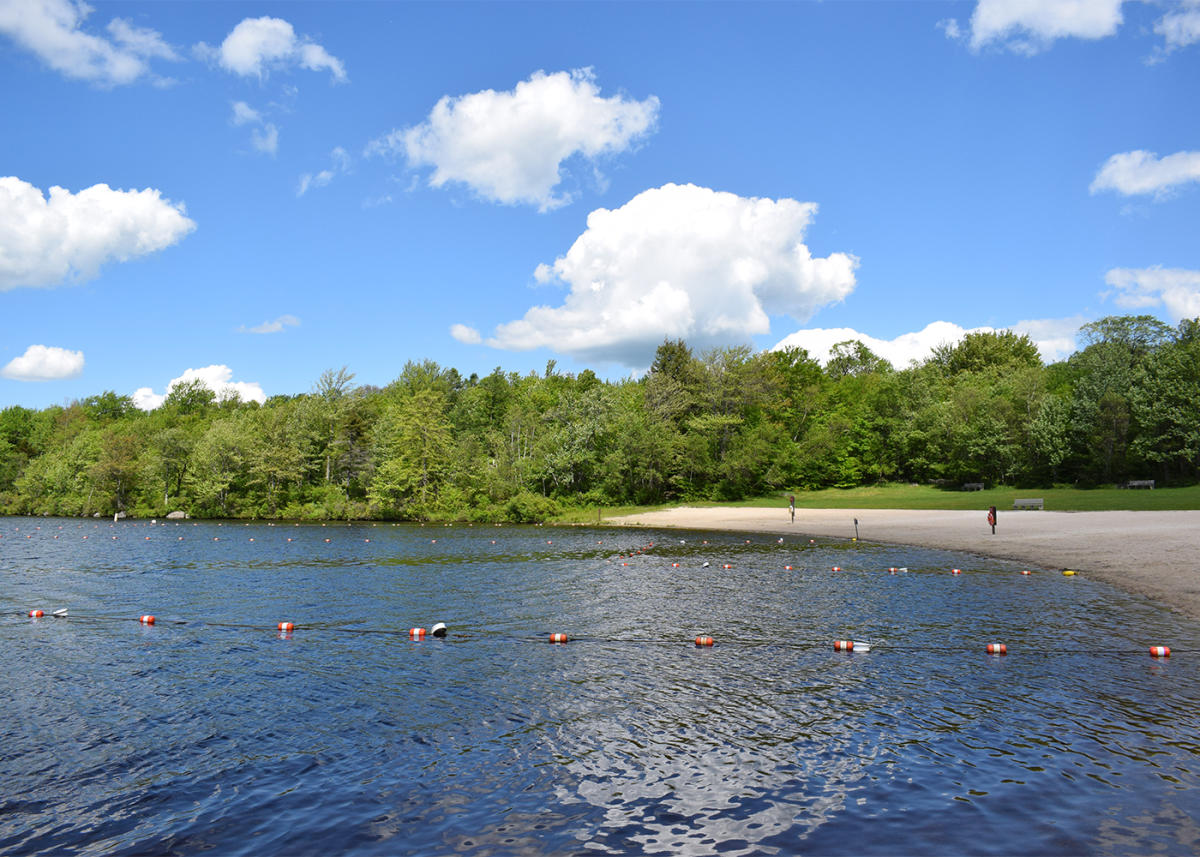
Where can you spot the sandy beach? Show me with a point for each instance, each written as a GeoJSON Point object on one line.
{"type": "Point", "coordinates": [1156, 554]}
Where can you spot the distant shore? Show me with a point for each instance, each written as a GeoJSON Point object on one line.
{"type": "Point", "coordinates": [1155, 554]}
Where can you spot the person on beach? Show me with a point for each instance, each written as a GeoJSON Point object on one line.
{"type": "Point", "coordinates": [792, 506]}
{"type": "Point", "coordinates": [992, 518]}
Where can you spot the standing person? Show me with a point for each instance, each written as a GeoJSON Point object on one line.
{"type": "Point", "coordinates": [992, 518]}
{"type": "Point", "coordinates": [792, 506]}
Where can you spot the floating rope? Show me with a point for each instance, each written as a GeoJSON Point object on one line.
{"type": "Point", "coordinates": [701, 641]}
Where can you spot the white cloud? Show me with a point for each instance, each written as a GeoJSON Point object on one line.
{"type": "Point", "coordinates": [257, 46]}
{"type": "Point", "coordinates": [215, 378]}
{"type": "Point", "coordinates": [465, 335]}
{"type": "Point", "coordinates": [680, 261]}
{"type": "Point", "coordinates": [275, 326]}
{"type": "Point", "coordinates": [1176, 289]}
{"type": "Point", "coordinates": [244, 114]}
{"type": "Point", "coordinates": [509, 147]}
{"type": "Point", "coordinates": [44, 363]}
{"type": "Point", "coordinates": [1140, 172]}
{"type": "Point", "coordinates": [1054, 338]}
{"type": "Point", "coordinates": [265, 139]}
{"type": "Point", "coordinates": [340, 159]}
{"type": "Point", "coordinates": [901, 351]}
{"type": "Point", "coordinates": [1030, 26]}
{"type": "Point", "coordinates": [53, 30]}
{"type": "Point", "coordinates": [950, 27]}
{"type": "Point", "coordinates": [140, 41]}
{"type": "Point", "coordinates": [45, 242]}
{"type": "Point", "coordinates": [1180, 27]}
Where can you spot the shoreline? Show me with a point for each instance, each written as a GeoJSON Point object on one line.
{"type": "Point", "coordinates": [1153, 554]}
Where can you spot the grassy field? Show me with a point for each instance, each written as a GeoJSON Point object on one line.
{"type": "Point", "coordinates": [927, 497]}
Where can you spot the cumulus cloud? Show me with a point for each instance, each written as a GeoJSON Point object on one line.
{"type": "Point", "coordinates": [44, 363]}
{"type": "Point", "coordinates": [1054, 338]}
{"type": "Point", "coordinates": [48, 241]}
{"type": "Point", "coordinates": [680, 261]}
{"type": "Point", "coordinates": [465, 335]}
{"type": "Point", "coordinates": [257, 46]}
{"type": "Point", "coordinates": [275, 326]}
{"type": "Point", "coordinates": [1175, 289]}
{"type": "Point", "coordinates": [900, 352]}
{"type": "Point", "coordinates": [1141, 172]}
{"type": "Point", "coordinates": [339, 163]}
{"type": "Point", "coordinates": [1030, 26]}
{"type": "Point", "coordinates": [1180, 27]}
{"type": "Point", "coordinates": [53, 31]}
{"type": "Point", "coordinates": [509, 147]}
{"type": "Point", "coordinates": [216, 378]}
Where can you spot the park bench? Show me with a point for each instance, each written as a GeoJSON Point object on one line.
{"type": "Point", "coordinates": [1140, 483]}
{"type": "Point", "coordinates": [972, 486]}
{"type": "Point", "coordinates": [1028, 504]}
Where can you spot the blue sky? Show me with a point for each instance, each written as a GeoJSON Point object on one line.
{"type": "Point", "coordinates": [251, 193]}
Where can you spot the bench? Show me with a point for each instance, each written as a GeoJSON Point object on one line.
{"type": "Point", "coordinates": [1140, 483]}
{"type": "Point", "coordinates": [972, 486]}
{"type": "Point", "coordinates": [1028, 504]}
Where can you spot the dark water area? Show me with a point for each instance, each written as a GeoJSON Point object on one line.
{"type": "Point", "coordinates": [210, 731]}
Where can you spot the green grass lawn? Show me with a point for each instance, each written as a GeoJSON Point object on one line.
{"type": "Point", "coordinates": [927, 497]}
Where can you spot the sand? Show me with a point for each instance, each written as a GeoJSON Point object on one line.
{"type": "Point", "coordinates": [1155, 554]}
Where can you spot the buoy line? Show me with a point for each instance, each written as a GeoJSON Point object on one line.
{"type": "Point", "coordinates": [439, 631]}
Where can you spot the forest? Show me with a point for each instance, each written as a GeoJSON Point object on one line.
{"type": "Point", "coordinates": [728, 424]}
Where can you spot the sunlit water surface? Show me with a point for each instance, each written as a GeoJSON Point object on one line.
{"type": "Point", "coordinates": [211, 731]}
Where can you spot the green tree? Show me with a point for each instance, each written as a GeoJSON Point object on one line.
{"type": "Point", "coordinates": [415, 437]}
{"type": "Point", "coordinates": [1165, 406]}
{"type": "Point", "coordinates": [981, 350]}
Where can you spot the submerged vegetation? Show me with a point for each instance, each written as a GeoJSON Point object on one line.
{"type": "Point", "coordinates": [728, 425]}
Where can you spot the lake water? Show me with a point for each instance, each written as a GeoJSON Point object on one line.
{"type": "Point", "coordinates": [211, 731]}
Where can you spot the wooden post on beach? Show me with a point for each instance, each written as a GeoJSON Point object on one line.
{"type": "Point", "coordinates": [856, 529]}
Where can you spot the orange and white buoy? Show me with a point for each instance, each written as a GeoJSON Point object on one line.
{"type": "Point", "coordinates": [997, 649]}
{"type": "Point", "coordinates": [704, 640]}
{"type": "Point", "coordinates": [1160, 651]}
{"type": "Point", "coordinates": [1026, 572]}
{"type": "Point", "coordinates": [416, 633]}
{"type": "Point", "coordinates": [836, 568]}
{"type": "Point", "coordinates": [287, 626]}
{"type": "Point", "coordinates": [558, 638]}
{"type": "Point", "coordinates": [36, 614]}
{"type": "Point", "coordinates": [956, 571]}
{"type": "Point", "coordinates": [147, 619]}
{"type": "Point", "coordinates": [843, 645]}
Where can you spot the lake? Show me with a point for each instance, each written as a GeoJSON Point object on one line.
{"type": "Point", "coordinates": [212, 731]}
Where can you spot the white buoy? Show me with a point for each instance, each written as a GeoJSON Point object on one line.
{"type": "Point", "coordinates": [439, 630]}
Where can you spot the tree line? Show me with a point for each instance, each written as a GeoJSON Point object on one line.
{"type": "Point", "coordinates": [729, 424]}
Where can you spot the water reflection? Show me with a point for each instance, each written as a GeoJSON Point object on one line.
{"type": "Point", "coordinates": [346, 736]}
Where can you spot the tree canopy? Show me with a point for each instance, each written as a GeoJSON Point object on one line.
{"type": "Point", "coordinates": [729, 424]}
